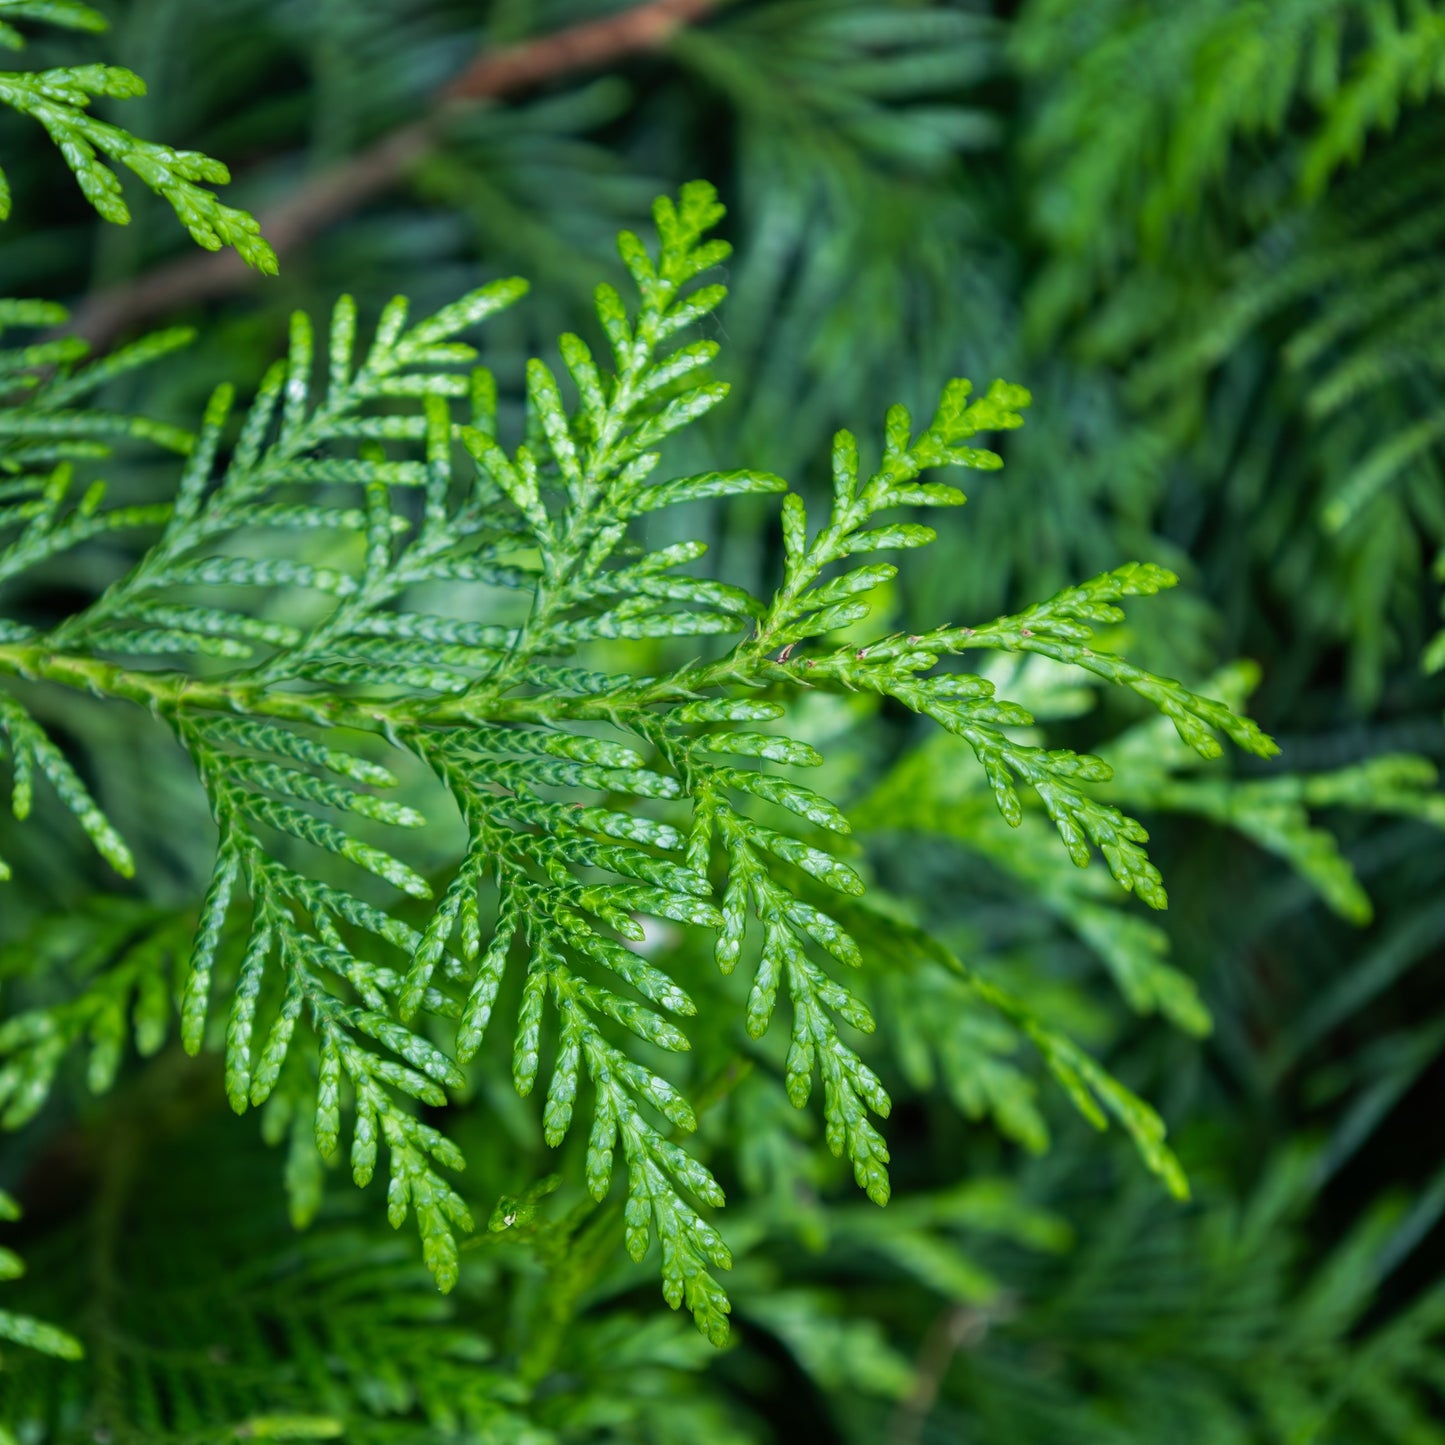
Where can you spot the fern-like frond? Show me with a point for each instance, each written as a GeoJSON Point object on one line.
{"type": "Point", "coordinates": [59, 101]}
{"type": "Point", "coordinates": [1154, 771]}
{"type": "Point", "coordinates": [1299, 305]}
{"type": "Point", "coordinates": [361, 600]}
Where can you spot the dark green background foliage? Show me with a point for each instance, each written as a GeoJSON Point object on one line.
{"type": "Point", "coordinates": [1208, 237]}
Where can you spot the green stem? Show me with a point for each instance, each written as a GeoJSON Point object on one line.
{"type": "Point", "coordinates": [167, 693]}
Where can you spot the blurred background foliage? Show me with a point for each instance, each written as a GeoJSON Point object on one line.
{"type": "Point", "coordinates": [1208, 236]}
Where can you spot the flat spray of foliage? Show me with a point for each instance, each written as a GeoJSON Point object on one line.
{"type": "Point", "coordinates": [395, 630]}
{"type": "Point", "coordinates": [593, 799]}
{"type": "Point", "coordinates": [59, 101]}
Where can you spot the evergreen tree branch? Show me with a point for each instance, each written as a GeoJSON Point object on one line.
{"type": "Point", "coordinates": [579, 831]}
{"type": "Point", "coordinates": [59, 99]}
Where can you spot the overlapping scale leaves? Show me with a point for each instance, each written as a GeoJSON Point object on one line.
{"type": "Point", "coordinates": [50, 434]}
{"type": "Point", "coordinates": [59, 101]}
{"type": "Point", "coordinates": [367, 610]}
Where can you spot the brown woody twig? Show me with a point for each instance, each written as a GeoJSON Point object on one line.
{"type": "Point", "coordinates": [325, 198]}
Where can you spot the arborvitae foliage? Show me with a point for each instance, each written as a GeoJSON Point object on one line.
{"type": "Point", "coordinates": [455, 638]}
{"type": "Point", "coordinates": [1202, 234]}
{"type": "Point", "coordinates": [59, 101]}
{"type": "Point", "coordinates": [1248, 255]}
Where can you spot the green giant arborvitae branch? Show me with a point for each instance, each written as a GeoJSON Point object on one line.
{"type": "Point", "coordinates": [360, 580]}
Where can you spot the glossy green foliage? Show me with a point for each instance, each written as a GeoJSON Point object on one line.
{"type": "Point", "coordinates": [592, 801]}
{"type": "Point", "coordinates": [1205, 235]}
{"type": "Point", "coordinates": [59, 100]}
{"type": "Point", "coordinates": [1153, 771]}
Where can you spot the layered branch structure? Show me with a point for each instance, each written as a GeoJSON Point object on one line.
{"type": "Point", "coordinates": [361, 581]}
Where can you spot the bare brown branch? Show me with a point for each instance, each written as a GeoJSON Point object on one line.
{"type": "Point", "coordinates": [587, 46]}
{"type": "Point", "coordinates": [326, 198]}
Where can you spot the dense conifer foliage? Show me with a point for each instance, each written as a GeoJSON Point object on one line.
{"type": "Point", "coordinates": [552, 749]}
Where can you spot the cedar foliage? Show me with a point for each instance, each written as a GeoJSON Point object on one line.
{"type": "Point", "coordinates": [466, 769]}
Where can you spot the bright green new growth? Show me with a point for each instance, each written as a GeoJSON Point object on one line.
{"type": "Point", "coordinates": [59, 101]}
{"type": "Point", "coordinates": [352, 587]}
